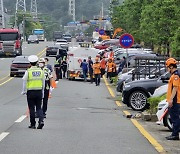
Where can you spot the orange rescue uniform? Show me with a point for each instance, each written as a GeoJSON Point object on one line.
{"type": "Point", "coordinates": [174, 81]}
{"type": "Point", "coordinates": [96, 68]}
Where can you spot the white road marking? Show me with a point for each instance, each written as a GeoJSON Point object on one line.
{"type": "Point", "coordinates": [21, 119]}
{"type": "Point", "coordinates": [3, 135]}
{"type": "Point", "coordinates": [2, 58]}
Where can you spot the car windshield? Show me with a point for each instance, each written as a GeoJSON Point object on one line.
{"type": "Point", "coordinates": [21, 59]}
{"type": "Point", "coordinates": [8, 36]}
{"type": "Point", "coordinates": [32, 37]}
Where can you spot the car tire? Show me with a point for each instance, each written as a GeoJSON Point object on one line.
{"type": "Point", "coordinates": [138, 100]}
{"type": "Point", "coordinates": [11, 75]}
{"type": "Point", "coordinates": [167, 121]}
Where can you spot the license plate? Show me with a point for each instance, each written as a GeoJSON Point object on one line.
{"type": "Point", "coordinates": [8, 53]}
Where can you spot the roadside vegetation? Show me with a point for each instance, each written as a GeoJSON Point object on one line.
{"type": "Point", "coordinates": [155, 24]}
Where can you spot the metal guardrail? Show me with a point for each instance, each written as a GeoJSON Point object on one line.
{"type": "Point", "coordinates": [146, 67]}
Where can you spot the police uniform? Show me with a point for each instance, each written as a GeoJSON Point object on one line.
{"type": "Point", "coordinates": [48, 77]}
{"type": "Point", "coordinates": [33, 85]}
{"type": "Point", "coordinates": [57, 67]}
{"type": "Point", "coordinates": [174, 111]}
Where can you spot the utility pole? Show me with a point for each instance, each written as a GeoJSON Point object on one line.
{"type": "Point", "coordinates": [2, 20]}
{"type": "Point", "coordinates": [72, 9]}
{"type": "Point", "coordinates": [33, 9]}
{"type": "Point", "coordinates": [20, 6]}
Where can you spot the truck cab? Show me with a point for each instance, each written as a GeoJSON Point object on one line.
{"type": "Point", "coordinates": [10, 42]}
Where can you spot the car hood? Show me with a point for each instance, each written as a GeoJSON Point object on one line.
{"type": "Point", "coordinates": [142, 81]}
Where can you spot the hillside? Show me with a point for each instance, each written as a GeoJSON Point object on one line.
{"type": "Point", "coordinates": [58, 9]}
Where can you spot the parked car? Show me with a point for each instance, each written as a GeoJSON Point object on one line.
{"type": "Point", "coordinates": [51, 50]}
{"type": "Point", "coordinates": [19, 65]}
{"type": "Point", "coordinates": [33, 39]}
{"type": "Point", "coordinates": [63, 45]}
{"type": "Point", "coordinates": [80, 38]}
{"type": "Point", "coordinates": [162, 113]}
{"type": "Point", "coordinates": [135, 93]}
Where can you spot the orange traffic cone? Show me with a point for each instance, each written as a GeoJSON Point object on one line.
{"type": "Point", "coordinates": [54, 84]}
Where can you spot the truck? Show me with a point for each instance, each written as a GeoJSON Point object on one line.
{"type": "Point", "coordinates": [57, 35]}
{"type": "Point", "coordinates": [39, 33]}
{"type": "Point", "coordinates": [10, 42]}
{"type": "Point", "coordinates": [76, 56]}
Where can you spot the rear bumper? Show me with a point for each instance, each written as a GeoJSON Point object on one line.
{"type": "Point", "coordinates": [9, 53]}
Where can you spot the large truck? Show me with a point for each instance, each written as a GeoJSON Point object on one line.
{"type": "Point", "coordinates": [39, 33]}
{"type": "Point", "coordinates": [76, 56]}
{"type": "Point", "coordinates": [57, 35]}
{"type": "Point", "coordinates": [10, 42]}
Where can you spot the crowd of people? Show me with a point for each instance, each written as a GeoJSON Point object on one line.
{"type": "Point", "coordinates": [101, 66]}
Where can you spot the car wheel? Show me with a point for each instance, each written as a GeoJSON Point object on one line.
{"type": "Point", "coordinates": [167, 121]}
{"type": "Point", "coordinates": [47, 55]}
{"type": "Point", "coordinates": [138, 100]}
{"type": "Point", "coordinates": [11, 75]}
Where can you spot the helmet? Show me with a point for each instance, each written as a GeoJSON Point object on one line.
{"type": "Point", "coordinates": [170, 61]}
{"type": "Point", "coordinates": [41, 60]}
{"type": "Point", "coordinates": [33, 58]}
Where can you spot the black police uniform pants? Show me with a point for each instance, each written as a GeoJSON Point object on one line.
{"type": "Point", "coordinates": [58, 73]}
{"type": "Point", "coordinates": [34, 99]}
{"type": "Point", "coordinates": [97, 79]}
{"type": "Point", "coordinates": [45, 101]}
{"type": "Point", "coordinates": [175, 118]}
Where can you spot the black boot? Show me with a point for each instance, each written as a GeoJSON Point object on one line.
{"type": "Point", "coordinates": [40, 126]}
{"type": "Point", "coordinates": [32, 127]}
{"type": "Point", "coordinates": [172, 137]}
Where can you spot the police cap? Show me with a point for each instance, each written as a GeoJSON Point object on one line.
{"type": "Point", "coordinates": [33, 58]}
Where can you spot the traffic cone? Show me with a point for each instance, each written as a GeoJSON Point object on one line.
{"type": "Point", "coordinates": [54, 84]}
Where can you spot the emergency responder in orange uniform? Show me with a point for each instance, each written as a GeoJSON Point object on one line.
{"type": "Point", "coordinates": [97, 71]}
{"type": "Point", "coordinates": [103, 66]}
{"type": "Point", "coordinates": [110, 68]}
{"type": "Point", "coordinates": [33, 85]}
{"type": "Point", "coordinates": [173, 98]}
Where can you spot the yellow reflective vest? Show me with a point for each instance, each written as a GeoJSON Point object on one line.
{"type": "Point", "coordinates": [35, 78]}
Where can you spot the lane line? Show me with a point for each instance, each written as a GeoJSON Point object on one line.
{"type": "Point", "coordinates": [107, 85]}
{"type": "Point", "coordinates": [6, 81]}
{"type": "Point", "coordinates": [41, 52]}
{"type": "Point", "coordinates": [151, 140]}
{"type": "Point", "coordinates": [4, 77]}
{"type": "Point", "coordinates": [21, 119]}
{"type": "Point", "coordinates": [118, 103]}
{"type": "Point", "coordinates": [3, 135]}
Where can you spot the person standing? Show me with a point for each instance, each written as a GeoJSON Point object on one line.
{"type": "Point", "coordinates": [110, 68]}
{"type": "Point", "coordinates": [90, 66]}
{"type": "Point", "coordinates": [48, 83]}
{"type": "Point", "coordinates": [173, 98]}
{"type": "Point", "coordinates": [103, 66]}
{"type": "Point", "coordinates": [33, 85]}
{"type": "Point", "coordinates": [57, 68]}
{"type": "Point", "coordinates": [122, 64]}
{"type": "Point", "coordinates": [84, 66]}
{"type": "Point", "coordinates": [64, 66]}
{"type": "Point", "coordinates": [97, 71]}
{"type": "Point", "coordinates": [48, 65]}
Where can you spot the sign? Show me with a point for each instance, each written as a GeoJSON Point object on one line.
{"type": "Point", "coordinates": [97, 29]}
{"type": "Point", "coordinates": [126, 40]}
{"type": "Point", "coordinates": [101, 32]}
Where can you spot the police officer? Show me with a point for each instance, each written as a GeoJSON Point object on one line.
{"type": "Point", "coordinates": [48, 83]}
{"type": "Point", "coordinates": [173, 97]}
{"type": "Point", "coordinates": [57, 68]}
{"type": "Point", "coordinates": [33, 85]}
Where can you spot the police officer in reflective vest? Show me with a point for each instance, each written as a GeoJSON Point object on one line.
{"type": "Point", "coordinates": [48, 80]}
{"type": "Point", "coordinates": [33, 85]}
{"type": "Point", "coordinates": [173, 98]}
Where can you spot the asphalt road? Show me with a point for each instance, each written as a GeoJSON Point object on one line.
{"type": "Point", "coordinates": [81, 119]}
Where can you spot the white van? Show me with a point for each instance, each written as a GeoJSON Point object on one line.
{"type": "Point", "coordinates": [76, 56]}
